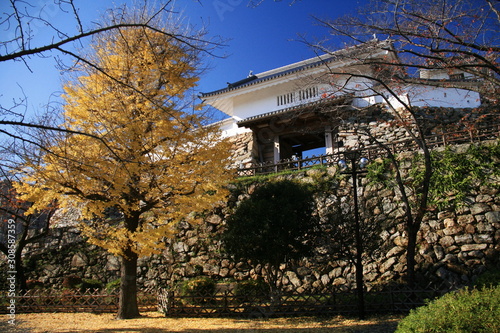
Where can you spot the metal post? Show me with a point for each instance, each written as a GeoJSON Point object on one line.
{"type": "Point", "coordinates": [359, 241]}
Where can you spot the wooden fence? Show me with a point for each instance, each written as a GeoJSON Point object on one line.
{"type": "Point", "coordinates": [66, 300]}
{"type": "Point", "coordinates": [491, 132]}
{"type": "Point", "coordinates": [225, 302]}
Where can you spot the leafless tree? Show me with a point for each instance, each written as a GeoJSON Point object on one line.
{"type": "Point", "coordinates": [61, 45]}
{"type": "Point", "coordinates": [67, 48]}
{"type": "Point", "coordinates": [455, 37]}
{"type": "Point", "coordinates": [18, 229]}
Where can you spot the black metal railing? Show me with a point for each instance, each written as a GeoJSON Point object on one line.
{"type": "Point", "coordinates": [491, 132]}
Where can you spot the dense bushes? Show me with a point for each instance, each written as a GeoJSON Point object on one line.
{"type": "Point", "coordinates": [198, 289]}
{"type": "Point", "coordinates": [113, 285]}
{"type": "Point", "coordinates": [76, 282]}
{"type": "Point", "coordinates": [488, 279]}
{"type": "Point", "coordinates": [467, 310]}
{"type": "Point", "coordinates": [251, 289]}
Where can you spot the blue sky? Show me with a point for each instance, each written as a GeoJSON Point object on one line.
{"type": "Point", "coordinates": [258, 39]}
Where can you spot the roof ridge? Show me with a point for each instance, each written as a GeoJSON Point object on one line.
{"type": "Point", "coordinates": [294, 67]}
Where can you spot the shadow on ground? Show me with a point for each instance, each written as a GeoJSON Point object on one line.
{"type": "Point", "coordinates": [373, 328]}
{"type": "Point", "coordinates": [188, 325]}
{"type": "Point", "coordinates": [376, 328]}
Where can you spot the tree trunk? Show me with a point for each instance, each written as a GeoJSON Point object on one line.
{"type": "Point", "coordinates": [410, 255]}
{"type": "Point", "coordinates": [20, 276]}
{"type": "Point", "coordinates": [127, 306]}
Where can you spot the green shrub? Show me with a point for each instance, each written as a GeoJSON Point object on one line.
{"type": "Point", "coordinates": [90, 284]}
{"type": "Point", "coordinates": [200, 288]}
{"type": "Point", "coordinates": [111, 286]}
{"type": "Point", "coordinates": [468, 310]}
{"type": "Point", "coordinates": [488, 279]}
{"type": "Point", "coordinates": [251, 288]}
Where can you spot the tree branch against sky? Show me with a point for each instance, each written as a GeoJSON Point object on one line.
{"type": "Point", "coordinates": [18, 229]}
{"type": "Point", "coordinates": [459, 36]}
{"type": "Point", "coordinates": [156, 163]}
{"type": "Point", "coordinates": [61, 41]}
{"type": "Point", "coordinates": [448, 34]}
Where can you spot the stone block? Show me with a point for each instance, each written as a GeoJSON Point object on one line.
{"type": "Point", "coordinates": [395, 251]}
{"type": "Point", "coordinates": [439, 252]}
{"type": "Point", "coordinates": [483, 238]}
{"type": "Point", "coordinates": [464, 239]}
{"type": "Point", "coordinates": [325, 279]}
{"type": "Point", "coordinates": [480, 208]}
{"type": "Point", "coordinates": [445, 215]}
{"type": "Point", "coordinates": [435, 224]}
{"type": "Point", "coordinates": [431, 237]}
{"type": "Point", "coordinates": [293, 278]}
{"type": "Point", "coordinates": [466, 219]}
{"type": "Point", "coordinates": [335, 273]}
{"type": "Point", "coordinates": [484, 227]}
{"type": "Point", "coordinates": [400, 241]}
{"type": "Point", "coordinates": [180, 247]}
{"type": "Point", "coordinates": [303, 271]}
{"type": "Point", "coordinates": [473, 247]}
{"type": "Point", "coordinates": [484, 198]}
{"type": "Point", "coordinates": [224, 272]}
{"type": "Point", "coordinates": [475, 254]}
{"type": "Point", "coordinates": [493, 217]}
{"type": "Point", "coordinates": [387, 265]}
{"type": "Point", "coordinates": [214, 219]}
{"type": "Point", "coordinates": [450, 258]}
{"type": "Point", "coordinates": [447, 241]}
{"type": "Point", "coordinates": [449, 222]}
{"type": "Point", "coordinates": [454, 230]}
{"type": "Point", "coordinates": [339, 281]}
{"type": "Point", "coordinates": [112, 264]}
{"type": "Point", "coordinates": [470, 229]}
{"type": "Point", "coordinates": [79, 260]}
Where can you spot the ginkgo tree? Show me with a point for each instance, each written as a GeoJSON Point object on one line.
{"type": "Point", "coordinates": [156, 161]}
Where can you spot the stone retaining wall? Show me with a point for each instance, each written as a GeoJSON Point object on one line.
{"type": "Point", "coordinates": [455, 246]}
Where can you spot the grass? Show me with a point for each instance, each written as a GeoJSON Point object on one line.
{"type": "Point", "coordinates": [155, 322]}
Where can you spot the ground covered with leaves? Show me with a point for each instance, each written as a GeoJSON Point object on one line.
{"type": "Point", "coordinates": [154, 322]}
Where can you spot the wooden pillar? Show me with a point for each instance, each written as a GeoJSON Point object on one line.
{"type": "Point", "coordinates": [276, 148]}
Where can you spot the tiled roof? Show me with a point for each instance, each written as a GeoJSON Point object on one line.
{"type": "Point", "coordinates": [297, 67]}
{"type": "Point", "coordinates": [255, 79]}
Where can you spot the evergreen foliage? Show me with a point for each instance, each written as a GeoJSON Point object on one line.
{"type": "Point", "coordinates": [455, 173]}
{"type": "Point", "coordinates": [199, 288]}
{"type": "Point", "coordinates": [273, 226]}
{"type": "Point", "coordinates": [468, 310]}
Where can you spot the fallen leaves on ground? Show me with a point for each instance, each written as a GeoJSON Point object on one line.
{"type": "Point", "coordinates": [154, 322]}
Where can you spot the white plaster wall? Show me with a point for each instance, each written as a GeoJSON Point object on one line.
{"type": "Point", "coordinates": [434, 74]}
{"type": "Point", "coordinates": [257, 102]}
{"type": "Point", "coordinates": [229, 127]}
{"type": "Point", "coordinates": [265, 100]}
{"type": "Point", "coordinates": [425, 96]}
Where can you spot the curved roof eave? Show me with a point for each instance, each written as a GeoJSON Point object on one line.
{"type": "Point", "coordinates": [291, 69]}
{"type": "Point", "coordinates": [256, 80]}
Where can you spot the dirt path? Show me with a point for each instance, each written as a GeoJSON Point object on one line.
{"type": "Point", "coordinates": [153, 322]}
